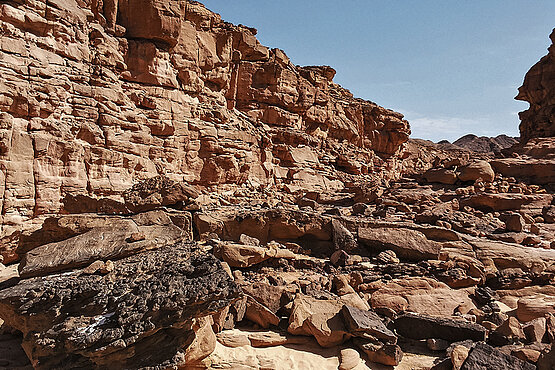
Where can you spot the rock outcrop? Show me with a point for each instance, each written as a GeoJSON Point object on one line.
{"type": "Point", "coordinates": [539, 90]}
{"type": "Point", "coordinates": [96, 96]}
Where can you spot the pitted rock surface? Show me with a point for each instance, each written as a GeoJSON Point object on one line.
{"type": "Point", "coordinates": [116, 319]}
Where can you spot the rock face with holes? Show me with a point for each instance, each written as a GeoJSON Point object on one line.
{"type": "Point", "coordinates": [96, 96]}
{"type": "Point", "coordinates": [113, 317]}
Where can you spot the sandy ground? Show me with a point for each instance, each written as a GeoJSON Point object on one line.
{"type": "Point", "coordinates": [305, 357]}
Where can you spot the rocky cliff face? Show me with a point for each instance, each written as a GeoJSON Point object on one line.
{"type": "Point", "coordinates": [539, 90]}
{"type": "Point", "coordinates": [96, 96]}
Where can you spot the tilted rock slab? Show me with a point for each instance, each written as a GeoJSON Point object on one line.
{"type": "Point", "coordinates": [138, 315]}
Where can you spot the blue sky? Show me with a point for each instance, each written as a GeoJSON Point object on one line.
{"type": "Point", "coordinates": [452, 67]}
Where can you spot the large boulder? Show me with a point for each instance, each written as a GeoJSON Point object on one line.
{"type": "Point", "coordinates": [478, 170]}
{"type": "Point", "coordinates": [116, 318]}
{"type": "Point", "coordinates": [420, 295]}
{"type": "Point", "coordinates": [415, 326]}
{"type": "Point", "coordinates": [88, 238]}
{"type": "Point", "coordinates": [318, 318]}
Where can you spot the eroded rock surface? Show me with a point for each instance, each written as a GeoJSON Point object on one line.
{"type": "Point", "coordinates": [114, 319]}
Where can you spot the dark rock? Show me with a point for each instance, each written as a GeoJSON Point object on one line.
{"type": "Point", "coordinates": [416, 326]}
{"type": "Point", "coordinates": [361, 323]}
{"type": "Point", "coordinates": [483, 356]}
{"type": "Point", "coordinates": [157, 192]}
{"type": "Point", "coordinates": [484, 295]}
{"type": "Point", "coordinates": [114, 320]}
{"type": "Point", "coordinates": [549, 214]}
{"type": "Point", "coordinates": [343, 239]}
{"type": "Point", "coordinates": [547, 360]}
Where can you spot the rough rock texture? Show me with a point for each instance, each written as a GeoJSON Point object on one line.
{"type": "Point", "coordinates": [130, 128]}
{"type": "Point", "coordinates": [483, 356]}
{"type": "Point", "coordinates": [416, 326]}
{"type": "Point", "coordinates": [95, 97]}
{"type": "Point", "coordinates": [115, 319]}
{"type": "Point", "coordinates": [539, 90]}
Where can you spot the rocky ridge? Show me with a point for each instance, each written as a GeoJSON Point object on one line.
{"type": "Point", "coordinates": [215, 206]}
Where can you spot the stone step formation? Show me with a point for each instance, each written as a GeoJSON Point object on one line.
{"type": "Point", "coordinates": [175, 195]}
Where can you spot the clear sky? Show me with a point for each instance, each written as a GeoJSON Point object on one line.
{"type": "Point", "coordinates": [452, 67]}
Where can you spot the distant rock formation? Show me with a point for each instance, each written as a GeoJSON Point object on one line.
{"type": "Point", "coordinates": [539, 90]}
{"type": "Point", "coordinates": [485, 144]}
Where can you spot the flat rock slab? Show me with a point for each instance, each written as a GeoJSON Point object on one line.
{"type": "Point", "coordinates": [359, 323]}
{"type": "Point", "coordinates": [93, 237]}
{"type": "Point", "coordinates": [483, 356]}
{"type": "Point", "coordinates": [113, 320]}
{"type": "Point", "coordinates": [419, 327]}
{"type": "Point", "coordinates": [406, 243]}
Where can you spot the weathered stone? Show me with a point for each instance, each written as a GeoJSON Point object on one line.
{"type": "Point", "coordinates": [420, 295]}
{"type": "Point", "coordinates": [359, 323]}
{"type": "Point", "coordinates": [458, 356]}
{"type": "Point", "coordinates": [260, 314]}
{"type": "Point", "coordinates": [508, 332]}
{"type": "Point", "coordinates": [478, 170]}
{"type": "Point", "coordinates": [515, 222]}
{"type": "Point", "coordinates": [386, 354]}
{"type": "Point", "coordinates": [350, 359]}
{"type": "Point", "coordinates": [533, 307]}
{"type": "Point", "coordinates": [416, 326]}
{"type": "Point", "coordinates": [535, 330]}
{"type": "Point", "coordinates": [483, 356]}
{"type": "Point", "coordinates": [233, 340]}
{"type": "Point", "coordinates": [112, 239]}
{"type": "Point", "coordinates": [318, 318]}
{"type": "Point", "coordinates": [342, 238]}
{"type": "Point", "coordinates": [157, 192]}
{"type": "Point", "coordinates": [441, 175]}
{"type": "Point", "coordinates": [406, 243]}
{"type": "Point", "coordinates": [151, 299]}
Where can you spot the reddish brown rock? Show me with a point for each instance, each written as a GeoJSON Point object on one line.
{"type": "Point", "coordinates": [97, 96]}
{"type": "Point", "coordinates": [539, 121]}
{"type": "Point", "coordinates": [478, 170]}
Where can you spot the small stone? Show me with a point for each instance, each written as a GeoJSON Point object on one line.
{"type": "Point", "coordinates": [388, 257]}
{"type": "Point", "coordinates": [107, 268]}
{"type": "Point", "coordinates": [437, 344]}
{"type": "Point", "coordinates": [135, 237]}
{"type": "Point", "coordinates": [349, 359]}
{"type": "Point", "coordinates": [93, 268]}
{"type": "Point", "coordinates": [458, 356]}
{"type": "Point", "coordinates": [359, 208]}
{"type": "Point", "coordinates": [385, 354]}
{"type": "Point", "coordinates": [248, 240]}
{"type": "Point", "coordinates": [515, 223]}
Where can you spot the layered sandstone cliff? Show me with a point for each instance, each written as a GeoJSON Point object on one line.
{"type": "Point", "coordinates": [539, 90]}
{"type": "Point", "coordinates": [97, 96]}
